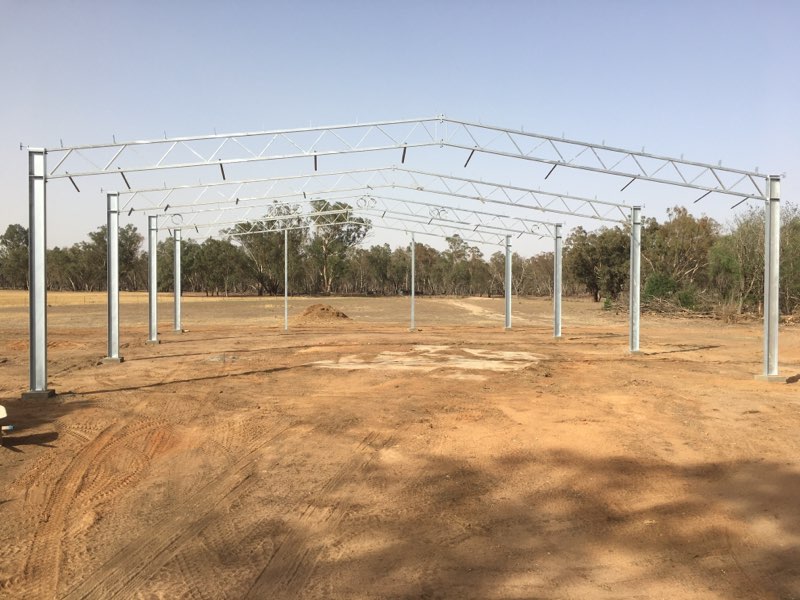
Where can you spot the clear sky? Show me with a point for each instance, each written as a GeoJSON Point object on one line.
{"type": "Point", "coordinates": [710, 80]}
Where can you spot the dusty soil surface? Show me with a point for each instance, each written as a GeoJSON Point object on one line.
{"type": "Point", "coordinates": [362, 460]}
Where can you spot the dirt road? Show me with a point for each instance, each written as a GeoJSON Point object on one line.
{"type": "Point", "coordinates": [351, 458]}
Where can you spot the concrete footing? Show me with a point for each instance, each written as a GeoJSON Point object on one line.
{"type": "Point", "coordinates": [38, 395]}
{"type": "Point", "coordinates": [152, 342]}
{"type": "Point", "coordinates": [771, 378]}
{"type": "Point", "coordinates": [108, 360]}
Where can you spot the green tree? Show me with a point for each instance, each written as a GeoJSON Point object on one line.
{"type": "Point", "coordinates": [14, 257]}
{"type": "Point", "coordinates": [676, 254]}
{"type": "Point", "coordinates": [262, 242]}
{"type": "Point", "coordinates": [334, 237]}
{"type": "Point", "coordinates": [598, 260]}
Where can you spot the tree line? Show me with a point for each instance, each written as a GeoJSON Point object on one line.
{"type": "Point", "coordinates": [688, 261]}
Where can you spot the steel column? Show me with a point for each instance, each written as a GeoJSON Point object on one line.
{"type": "Point", "coordinates": [508, 282]}
{"type": "Point", "coordinates": [37, 273]}
{"type": "Point", "coordinates": [285, 279]}
{"type": "Point", "coordinates": [634, 305]}
{"type": "Point", "coordinates": [152, 277]}
{"type": "Point", "coordinates": [557, 251]}
{"type": "Point", "coordinates": [772, 241]}
{"type": "Point", "coordinates": [112, 276]}
{"type": "Point", "coordinates": [413, 281]}
{"type": "Point", "coordinates": [177, 273]}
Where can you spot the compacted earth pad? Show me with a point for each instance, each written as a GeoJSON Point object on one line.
{"type": "Point", "coordinates": [464, 461]}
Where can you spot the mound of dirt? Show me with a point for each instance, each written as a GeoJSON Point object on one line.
{"type": "Point", "coordinates": [322, 312]}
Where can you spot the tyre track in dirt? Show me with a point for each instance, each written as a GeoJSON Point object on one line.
{"type": "Point", "coordinates": [139, 560]}
{"type": "Point", "coordinates": [41, 571]}
{"type": "Point", "coordinates": [295, 556]}
{"type": "Point", "coordinates": [85, 473]}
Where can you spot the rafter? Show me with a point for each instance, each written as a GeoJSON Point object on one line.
{"type": "Point", "coordinates": [401, 135]}
{"type": "Point", "coordinates": [372, 180]}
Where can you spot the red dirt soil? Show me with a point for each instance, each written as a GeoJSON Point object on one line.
{"type": "Point", "coordinates": [361, 460]}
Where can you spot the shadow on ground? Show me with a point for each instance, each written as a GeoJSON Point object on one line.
{"type": "Point", "coordinates": [583, 527]}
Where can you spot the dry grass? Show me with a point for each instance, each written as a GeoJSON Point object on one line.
{"type": "Point", "coordinates": [20, 298]}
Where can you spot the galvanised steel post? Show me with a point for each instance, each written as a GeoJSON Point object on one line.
{"type": "Point", "coordinates": [634, 306]}
{"type": "Point", "coordinates": [285, 279]}
{"type": "Point", "coordinates": [112, 276]}
{"type": "Point", "coordinates": [152, 277]}
{"type": "Point", "coordinates": [37, 269]}
{"type": "Point", "coordinates": [772, 241]}
{"type": "Point", "coordinates": [557, 282]}
{"type": "Point", "coordinates": [508, 282]}
{"type": "Point", "coordinates": [413, 281]}
{"type": "Point", "coordinates": [177, 272]}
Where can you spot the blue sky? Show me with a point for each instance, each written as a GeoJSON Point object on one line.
{"type": "Point", "coordinates": [710, 80]}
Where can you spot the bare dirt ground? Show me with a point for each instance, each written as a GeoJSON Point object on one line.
{"type": "Point", "coordinates": [355, 459]}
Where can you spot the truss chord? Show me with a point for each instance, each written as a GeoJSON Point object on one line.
{"type": "Point", "coordinates": [411, 126]}
{"type": "Point", "coordinates": [601, 147]}
{"type": "Point", "coordinates": [235, 161]}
